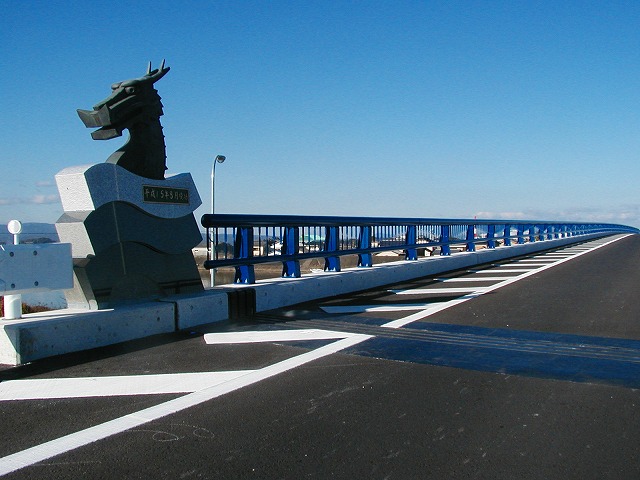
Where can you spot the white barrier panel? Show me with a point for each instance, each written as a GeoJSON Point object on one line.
{"type": "Point", "coordinates": [35, 267]}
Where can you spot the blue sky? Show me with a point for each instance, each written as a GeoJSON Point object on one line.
{"type": "Point", "coordinates": [495, 109]}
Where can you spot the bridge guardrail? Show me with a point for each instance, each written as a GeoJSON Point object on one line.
{"type": "Point", "coordinates": [243, 241]}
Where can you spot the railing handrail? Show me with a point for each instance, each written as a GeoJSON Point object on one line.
{"type": "Point", "coordinates": [246, 220]}
{"type": "Point", "coordinates": [407, 234]}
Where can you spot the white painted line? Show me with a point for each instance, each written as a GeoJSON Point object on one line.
{"type": "Point", "coordinates": [272, 336]}
{"type": "Point", "coordinates": [472, 279]}
{"type": "Point", "coordinates": [426, 313]}
{"type": "Point", "coordinates": [47, 388]}
{"type": "Point", "coordinates": [422, 291]}
{"type": "Point", "coordinates": [436, 307]}
{"type": "Point", "coordinates": [527, 264]}
{"type": "Point", "coordinates": [509, 265]}
{"type": "Point", "coordinates": [375, 308]}
{"type": "Point", "coordinates": [541, 261]}
{"type": "Point", "coordinates": [502, 270]}
{"type": "Point", "coordinates": [61, 445]}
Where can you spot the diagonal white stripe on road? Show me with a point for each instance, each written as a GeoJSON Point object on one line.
{"type": "Point", "coordinates": [61, 445]}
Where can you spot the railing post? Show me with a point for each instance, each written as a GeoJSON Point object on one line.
{"type": "Point", "coordinates": [532, 233]}
{"type": "Point", "coordinates": [290, 246]}
{"type": "Point", "coordinates": [411, 238]}
{"type": "Point", "coordinates": [471, 234]}
{"type": "Point", "coordinates": [521, 230]}
{"type": "Point", "coordinates": [507, 235]}
{"type": "Point", "coordinates": [491, 233]}
{"type": "Point", "coordinates": [331, 264]}
{"type": "Point", "coordinates": [243, 248]}
{"type": "Point", "coordinates": [364, 241]}
{"type": "Point", "coordinates": [445, 248]}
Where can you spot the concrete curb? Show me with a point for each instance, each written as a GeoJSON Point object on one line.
{"type": "Point", "coordinates": [281, 292]}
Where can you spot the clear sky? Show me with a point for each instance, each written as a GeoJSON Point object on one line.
{"type": "Point", "coordinates": [516, 109]}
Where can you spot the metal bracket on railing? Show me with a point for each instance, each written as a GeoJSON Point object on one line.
{"type": "Point", "coordinates": [243, 248]}
{"type": "Point", "coordinates": [507, 235]}
{"type": "Point", "coordinates": [411, 238]}
{"type": "Point", "coordinates": [364, 242]}
{"type": "Point", "coordinates": [491, 233]}
{"type": "Point", "coordinates": [445, 249]}
{"type": "Point", "coordinates": [471, 234]}
{"type": "Point", "coordinates": [290, 246]}
{"type": "Point", "coordinates": [332, 239]}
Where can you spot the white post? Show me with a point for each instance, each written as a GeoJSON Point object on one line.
{"type": "Point", "coordinates": [13, 303]}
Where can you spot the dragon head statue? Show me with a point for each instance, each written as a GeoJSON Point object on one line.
{"type": "Point", "coordinates": [136, 106]}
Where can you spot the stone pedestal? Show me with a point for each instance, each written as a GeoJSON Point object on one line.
{"type": "Point", "coordinates": [132, 237]}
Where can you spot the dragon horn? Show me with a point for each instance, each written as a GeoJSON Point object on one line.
{"type": "Point", "coordinates": [154, 75]}
{"type": "Point", "coordinates": [149, 69]}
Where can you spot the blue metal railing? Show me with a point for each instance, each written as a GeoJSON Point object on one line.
{"type": "Point", "coordinates": [242, 241]}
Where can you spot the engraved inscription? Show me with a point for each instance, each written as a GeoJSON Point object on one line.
{"type": "Point", "coordinates": [155, 194]}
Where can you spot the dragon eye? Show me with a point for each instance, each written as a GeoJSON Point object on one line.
{"type": "Point", "coordinates": [130, 90]}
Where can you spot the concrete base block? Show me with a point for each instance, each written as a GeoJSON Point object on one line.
{"type": "Point", "coordinates": [199, 309]}
{"type": "Point", "coordinates": [47, 334]}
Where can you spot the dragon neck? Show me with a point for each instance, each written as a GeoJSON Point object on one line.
{"type": "Point", "coordinates": [144, 153]}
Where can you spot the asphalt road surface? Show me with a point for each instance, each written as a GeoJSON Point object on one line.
{"type": "Point", "coordinates": [525, 369]}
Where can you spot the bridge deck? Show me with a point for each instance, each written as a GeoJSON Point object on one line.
{"type": "Point", "coordinates": [522, 369]}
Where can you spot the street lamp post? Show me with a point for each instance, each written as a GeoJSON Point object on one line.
{"type": "Point", "coordinates": [218, 159]}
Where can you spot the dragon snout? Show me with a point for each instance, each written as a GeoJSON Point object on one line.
{"type": "Point", "coordinates": [99, 118]}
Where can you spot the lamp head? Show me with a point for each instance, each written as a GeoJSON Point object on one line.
{"type": "Point", "coordinates": [220, 158]}
{"type": "Point", "coordinates": [14, 227]}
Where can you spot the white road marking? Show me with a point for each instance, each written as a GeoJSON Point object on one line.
{"type": "Point", "coordinates": [422, 291]}
{"type": "Point", "coordinates": [61, 445]}
{"type": "Point", "coordinates": [502, 270]}
{"type": "Point", "coordinates": [472, 279]}
{"type": "Point", "coordinates": [47, 388]}
{"type": "Point", "coordinates": [439, 306]}
{"type": "Point", "coordinates": [436, 307]}
{"type": "Point", "coordinates": [375, 308]}
{"type": "Point", "coordinates": [273, 336]}
{"type": "Point", "coordinates": [535, 261]}
{"type": "Point", "coordinates": [81, 438]}
{"type": "Point", "coordinates": [536, 264]}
